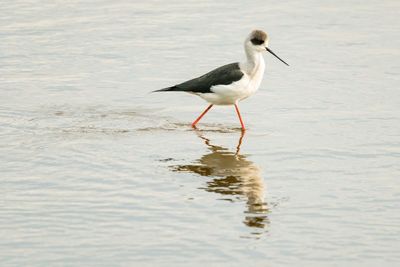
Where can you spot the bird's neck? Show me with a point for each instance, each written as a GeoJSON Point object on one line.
{"type": "Point", "coordinates": [254, 62]}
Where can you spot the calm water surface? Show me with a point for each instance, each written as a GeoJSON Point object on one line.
{"type": "Point", "coordinates": [95, 171]}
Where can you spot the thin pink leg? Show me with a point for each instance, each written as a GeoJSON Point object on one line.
{"type": "Point", "coordinates": [240, 117]}
{"type": "Point", "coordinates": [201, 116]}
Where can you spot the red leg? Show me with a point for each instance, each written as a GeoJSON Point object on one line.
{"type": "Point", "coordinates": [240, 117]}
{"type": "Point", "coordinates": [201, 116]}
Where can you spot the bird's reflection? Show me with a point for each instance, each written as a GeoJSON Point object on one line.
{"type": "Point", "coordinates": [233, 176]}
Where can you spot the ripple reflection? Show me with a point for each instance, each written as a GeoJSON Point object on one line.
{"type": "Point", "coordinates": [235, 177]}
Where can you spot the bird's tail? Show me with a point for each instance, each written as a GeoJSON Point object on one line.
{"type": "Point", "coordinates": [168, 89]}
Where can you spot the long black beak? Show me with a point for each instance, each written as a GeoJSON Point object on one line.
{"type": "Point", "coordinates": [269, 50]}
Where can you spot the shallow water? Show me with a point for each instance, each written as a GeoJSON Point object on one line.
{"type": "Point", "coordinates": [95, 171]}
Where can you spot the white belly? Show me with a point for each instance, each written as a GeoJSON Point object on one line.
{"type": "Point", "coordinates": [232, 93]}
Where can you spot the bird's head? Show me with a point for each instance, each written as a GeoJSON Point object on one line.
{"type": "Point", "coordinates": [257, 41]}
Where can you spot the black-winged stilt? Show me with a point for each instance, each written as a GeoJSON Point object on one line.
{"type": "Point", "coordinates": [229, 84]}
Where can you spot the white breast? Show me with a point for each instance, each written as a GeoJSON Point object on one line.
{"type": "Point", "coordinates": [255, 77]}
{"type": "Point", "coordinates": [232, 93]}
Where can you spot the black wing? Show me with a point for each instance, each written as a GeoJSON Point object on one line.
{"type": "Point", "coordinates": [226, 74]}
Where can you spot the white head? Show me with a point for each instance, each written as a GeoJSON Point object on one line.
{"type": "Point", "coordinates": [257, 42]}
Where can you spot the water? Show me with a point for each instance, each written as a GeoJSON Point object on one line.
{"type": "Point", "coordinates": [97, 172]}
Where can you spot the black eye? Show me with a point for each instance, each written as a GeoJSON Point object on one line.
{"type": "Point", "coordinates": [256, 41]}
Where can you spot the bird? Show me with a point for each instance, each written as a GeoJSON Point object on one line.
{"type": "Point", "coordinates": [231, 83]}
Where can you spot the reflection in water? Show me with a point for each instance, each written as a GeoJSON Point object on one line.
{"type": "Point", "coordinates": [233, 176]}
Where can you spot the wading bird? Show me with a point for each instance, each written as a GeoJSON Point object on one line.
{"type": "Point", "coordinates": [229, 84]}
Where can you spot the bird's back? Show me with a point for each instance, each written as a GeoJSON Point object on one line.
{"type": "Point", "coordinates": [224, 75]}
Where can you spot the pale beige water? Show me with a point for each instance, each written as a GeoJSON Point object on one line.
{"type": "Point", "coordinates": [95, 171]}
